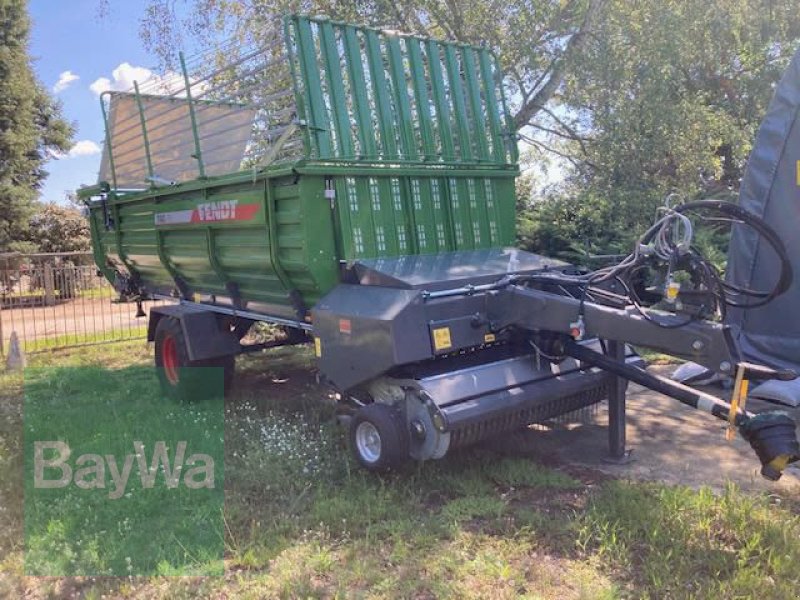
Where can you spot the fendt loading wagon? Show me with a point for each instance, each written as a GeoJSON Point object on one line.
{"type": "Point", "coordinates": [355, 187]}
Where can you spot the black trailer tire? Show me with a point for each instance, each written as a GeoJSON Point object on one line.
{"type": "Point", "coordinates": [172, 361]}
{"type": "Point", "coordinates": [378, 437]}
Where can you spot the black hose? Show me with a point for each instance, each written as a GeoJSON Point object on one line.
{"type": "Point", "coordinates": [765, 231]}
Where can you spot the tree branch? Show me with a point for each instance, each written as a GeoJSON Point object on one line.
{"type": "Point", "coordinates": [579, 164]}
{"type": "Point", "coordinates": [571, 132]}
{"type": "Point", "coordinates": [575, 44]}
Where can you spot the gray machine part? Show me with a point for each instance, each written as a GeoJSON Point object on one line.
{"type": "Point", "coordinates": [452, 331]}
{"type": "Point", "coordinates": [364, 331]}
{"type": "Point", "coordinates": [493, 397]}
{"type": "Point", "coordinates": [448, 407]}
{"type": "Point", "coordinates": [771, 334]}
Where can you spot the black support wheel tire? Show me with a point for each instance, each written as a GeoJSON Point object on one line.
{"type": "Point", "coordinates": [378, 437]}
{"type": "Point", "coordinates": [180, 377]}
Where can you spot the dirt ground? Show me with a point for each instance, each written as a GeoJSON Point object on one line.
{"type": "Point", "coordinates": [667, 441]}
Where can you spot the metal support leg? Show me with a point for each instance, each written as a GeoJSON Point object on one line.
{"type": "Point", "coordinates": [616, 406]}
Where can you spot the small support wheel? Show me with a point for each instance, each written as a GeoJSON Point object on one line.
{"type": "Point", "coordinates": [378, 437]}
{"type": "Point", "coordinates": [178, 379]}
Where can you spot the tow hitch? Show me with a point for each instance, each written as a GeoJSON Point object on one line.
{"type": "Point", "coordinates": [773, 435]}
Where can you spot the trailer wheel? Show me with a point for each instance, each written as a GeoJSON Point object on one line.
{"type": "Point", "coordinates": [378, 438]}
{"type": "Point", "coordinates": [172, 359]}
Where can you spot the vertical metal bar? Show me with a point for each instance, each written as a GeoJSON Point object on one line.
{"type": "Point", "coordinates": [479, 211]}
{"type": "Point", "coordinates": [84, 287]}
{"type": "Point", "coordinates": [382, 103]}
{"type": "Point", "coordinates": [402, 103]}
{"type": "Point", "coordinates": [53, 306]}
{"type": "Point", "coordinates": [511, 131]}
{"type": "Point", "coordinates": [29, 342]}
{"type": "Point", "coordinates": [108, 138]}
{"type": "Point", "coordinates": [94, 312]}
{"type": "Point", "coordinates": [358, 89]}
{"type": "Point", "coordinates": [491, 106]}
{"type": "Point", "coordinates": [389, 215]}
{"type": "Point", "coordinates": [442, 109]}
{"type": "Point", "coordinates": [424, 217]}
{"type": "Point", "coordinates": [341, 211]}
{"type": "Point", "coordinates": [72, 293]}
{"type": "Point", "coordinates": [459, 210]}
{"type": "Point", "coordinates": [493, 210]}
{"type": "Point", "coordinates": [333, 70]}
{"type": "Point", "coordinates": [144, 132]}
{"type": "Point", "coordinates": [474, 93]}
{"type": "Point", "coordinates": [416, 65]}
{"type": "Point", "coordinates": [442, 218]}
{"type": "Point", "coordinates": [616, 405]}
{"type": "Point", "coordinates": [274, 246]}
{"type": "Point", "coordinates": [457, 97]}
{"type": "Point", "coordinates": [364, 217]}
{"type": "Point", "coordinates": [198, 153]}
{"type": "Point", "coordinates": [382, 188]}
{"type": "Point", "coordinates": [299, 99]}
{"type": "Point", "coordinates": [317, 120]}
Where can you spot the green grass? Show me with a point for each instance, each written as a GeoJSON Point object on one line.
{"type": "Point", "coordinates": [131, 528]}
{"type": "Point", "coordinates": [97, 292]}
{"type": "Point", "coordinates": [70, 340]}
{"type": "Point", "coordinates": [653, 357]}
{"type": "Point", "coordinates": [301, 520]}
{"type": "Point", "coordinates": [673, 541]}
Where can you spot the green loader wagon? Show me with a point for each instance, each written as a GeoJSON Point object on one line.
{"type": "Point", "coordinates": [355, 187]}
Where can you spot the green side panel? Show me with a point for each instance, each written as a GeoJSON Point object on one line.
{"type": "Point", "coordinates": [256, 240]}
{"type": "Point", "coordinates": [409, 149]}
{"type": "Point", "coordinates": [388, 215]}
{"type": "Point", "coordinates": [371, 94]}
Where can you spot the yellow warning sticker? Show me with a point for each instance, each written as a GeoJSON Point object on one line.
{"type": "Point", "coordinates": [317, 347]}
{"type": "Point", "coordinates": [489, 338]}
{"type": "Point", "coordinates": [798, 172]}
{"type": "Point", "coordinates": [441, 339]}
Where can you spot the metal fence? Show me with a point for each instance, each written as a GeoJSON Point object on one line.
{"type": "Point", "coordinates": [58, 300]}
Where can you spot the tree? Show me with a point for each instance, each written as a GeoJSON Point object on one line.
{"type": "Point", "coordinates": [671, 92]}
{"type": "Point", "coordinates": [55, 228]}
{"type": "Point", "coordinates": [665, 97]}
{"type": "Point", "coordinates": [537, 40]}
{"type": "Point", "coordinates": [31, 127]}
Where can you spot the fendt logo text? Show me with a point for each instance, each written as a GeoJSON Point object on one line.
{"type": "Point", "coordinates": [89, 470]}
{"type": "Point", "coordinates": [224, 210]}
{"type": "Point", "coordinates": [209, 212]}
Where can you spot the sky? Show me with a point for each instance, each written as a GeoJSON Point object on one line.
{"type": "Point", "coordinates": [76, 55]}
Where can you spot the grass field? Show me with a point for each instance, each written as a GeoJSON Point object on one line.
{"type": "Point", "coordinates": [301, 520]}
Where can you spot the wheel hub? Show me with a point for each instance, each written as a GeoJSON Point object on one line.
{"type": "Point", "coordinates": [169, 358]}
{"type": "Point", "coordinates": [368, 441]}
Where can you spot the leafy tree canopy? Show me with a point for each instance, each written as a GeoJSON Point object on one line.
{"type": "Point", "coordinates": [31, 127]}
{"type": "Point", "coordinates": [55, 228]}
{"type": "Point", "coordinates": [666, 97]}
{"type": "Point", "coordinates": [535, 39]}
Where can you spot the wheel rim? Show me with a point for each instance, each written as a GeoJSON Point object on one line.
{"type": "Point", "coordinates": [368, 441]}
{"type": "Point", "coordinates": [169, 359]}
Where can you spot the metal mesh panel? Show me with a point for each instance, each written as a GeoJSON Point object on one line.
{"type": "Point", "coordinates": [378, 95]}
{"type": "Point", "coordinates": [224, 133]}
{"type": "Point", "coordinates": [324, 91]}
{"type": "Point", "coordinates": [228, 109]}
